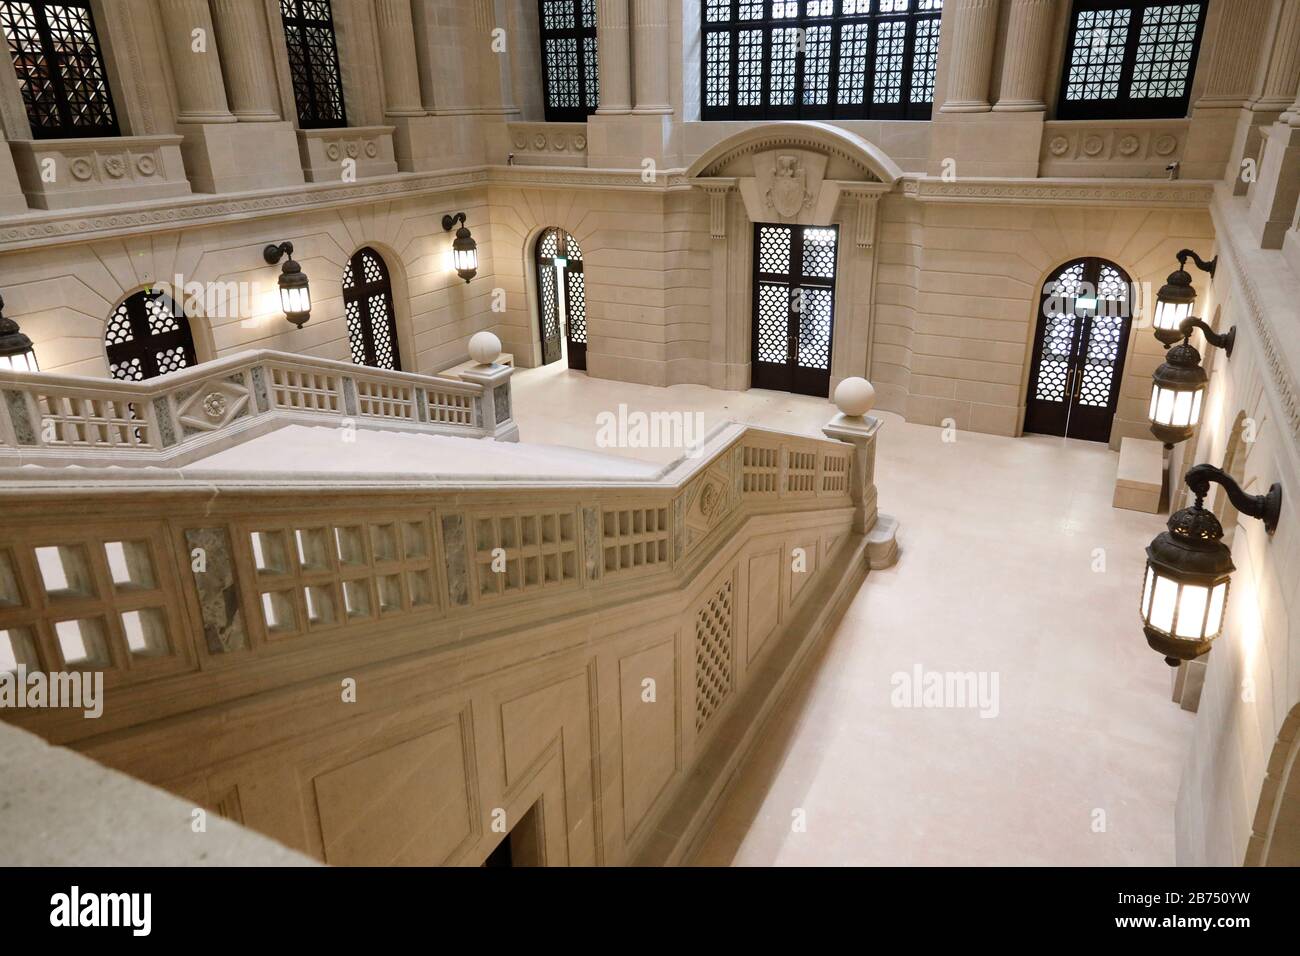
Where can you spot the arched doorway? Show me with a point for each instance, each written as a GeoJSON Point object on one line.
{"type": "Point", "coordinates": [1079, 344]}
{"type": "Point", "coordinates": [370, 311]}
{"type": "Point", "coordinates": [146, 336]}
{"type": "Point", "coordinates": [561, 299]}
{"type": "Point", "coordinates": [1275, 837]}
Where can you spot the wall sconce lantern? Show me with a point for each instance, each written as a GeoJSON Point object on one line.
{"type": "Point", "coordinates": [1178, 385]}
{"type": "Point", "coordinates": [16, 352]}
{"type": "Point", "coordinates": [1185, 593]}
{"type": "Point", "coordinates": [295, 287]}
{"type": "Point", "coordinates": [464, 250]}
{"type": "Point", "coordinates": [1175, 298]}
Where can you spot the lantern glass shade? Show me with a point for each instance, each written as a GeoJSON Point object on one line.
{"type": "Point", "coordinates": [465, 259]}
{"type": "Point", "coordinates": [24, 361]}
{"type": "Point", "coordinates": [1176, 408]}
{"type": "Point", "coordinates": [1184, 611]}
{"type": "Point", "coordinates": [1169, 315]}
{"type": "Point", "coordinates": [295, 301]}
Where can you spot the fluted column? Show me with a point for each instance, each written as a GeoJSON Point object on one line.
{"type": "Point", "coordinates": [245, 42]}
{"type": "Point", "coordinates": [200, 91]}
{"type": "Point", "coordinates": [1284, 63]}
{"type": "Point", "coordinates": [401, 67]}
{"type": "Point", "coordinates": [650, 35]}
{"type": "Point", "coordinates": [1292, 115]}
{"type": "Point", "coordinates": [1233, 63]}
{"type": "Point", "coordinates": [613, 51]}
{"type": "Point", "coordinates": [1024, 62]}
{"type": "Point", "coordinates": [975, 24]}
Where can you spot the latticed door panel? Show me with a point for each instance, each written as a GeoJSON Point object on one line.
{"type": "Point", "coordinates": [1079, 348]}
{"type": "Point", "coordinates": [794, 307]}
{"type": "Point", "coordinates": [61, 74]}
{"type": "Point", "coordinates": [370, 311]}
{"type": "Point", "coordinates": [146, 336]}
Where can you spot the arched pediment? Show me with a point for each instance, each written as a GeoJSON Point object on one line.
{"type": "Point", "coordinates": [849, 157]}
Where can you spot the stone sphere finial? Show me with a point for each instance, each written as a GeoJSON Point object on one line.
{"type": "Point", "coordinates": [484, 348]}
{"type": "Point", "coordinates": [855, 396]}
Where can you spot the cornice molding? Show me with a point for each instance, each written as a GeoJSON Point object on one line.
{"type": "Point", "coordinates": [40, 229]}
{"type": "Point", "coordinates": [1074, 192]}
{"type": "Point", "coordinates": [1279, 365]}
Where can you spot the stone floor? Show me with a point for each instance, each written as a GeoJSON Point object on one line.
{"type": "Point", "coordinates": [1013, 564]}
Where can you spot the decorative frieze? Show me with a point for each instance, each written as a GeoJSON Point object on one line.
{"type": "Point", "coordinates": [1112, 148]}
{"type": "Point", "coordinates": [1166, 195]}
{"type": "Point", "coordinates": [548, 144]}
{"type": "Point", "coordinates": [70, 173]}
{"type": "Point", "coordinates": [348, 154]}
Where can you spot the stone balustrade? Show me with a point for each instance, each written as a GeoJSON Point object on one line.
{"type": "Point", "coordinates": [89, 422]}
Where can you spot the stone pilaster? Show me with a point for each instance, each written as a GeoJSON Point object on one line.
{"type": "Point", "coordinates": [614, 50]}
{"type": "Point", "coordinates": [1024, 61]}
{"type": "Point", "coordinates": [1284, 62]}
{"type": "Point", "coordinates": [196, 64]}
{"type": "Point", "coordinates": [881, 530]}
{"type": "Point", "coordinates": [650, 36]}
{"type": "Point", "coordinates": [970, 55]}
{"type": "Point", "coordinates": [1274, 198]}
{"type": "Point", "coordinates": [401, 67]}
{"type": "Point", "coordinates": [245, 43]}
{"type": "Point", "coordinates": [225, 151]}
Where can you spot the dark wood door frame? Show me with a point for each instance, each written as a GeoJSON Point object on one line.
{"type": "Point", "coordinates": [808, 301]}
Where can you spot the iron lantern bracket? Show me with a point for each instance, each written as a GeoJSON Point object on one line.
{"type": "Point", "coordinates": [1222, 340]}
{"type": "Point", "coordinates": [275, 252]}
{"type": "Point", "coordinates": [449, 222]}
{"type": "Point", "coordinates": [1266, 507]}
{"type": "Point", "coordinates": [1185, 254]}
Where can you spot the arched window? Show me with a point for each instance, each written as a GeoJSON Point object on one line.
{"type": "Point", "coordinates": [569, 69]}
{"type": "Point", "coordinates": [1130, 59]}
{"type": "Point", "coordinates": [372, 319]}
{"type": "Point", "coordinates": [1079, 347]}
{"type": "Point", "coordinates": [314, 63]}
{"type": "Point", "coordinates": [147, 336]}
{"type": "Point", "coordinates": [819, 59]}
{"type": "Point", "coordinates": [60, 68]}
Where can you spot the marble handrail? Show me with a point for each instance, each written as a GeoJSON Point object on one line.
{"type": "Point", "coordinates": [73, 420]}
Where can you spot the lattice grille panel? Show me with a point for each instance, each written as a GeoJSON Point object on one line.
{"type": "Point", "coordinates": [72, 421]}
{"type": "Point", "coordinates": [815, 329]}
{"type": "Point", "coordinates": [450, 409]}
{"type": "Point", "coordinates": [773, 323]}
{"type": "Point", "coordinates": [1164, 50]}
{"type": "Point", "coordinates": [1054, 366]}
{"type": "Point", "coordinates": [61, 75]}
{"type": "Point", "coordinates": [314, 63]}
{"type": "Point", "coordinates": [634, 538]}
{"type": "Point", "coordinates": [714, 655]}
{"type": "Point", "coordinates": [760, 470]}
{"type": "Point", "coordinates": [800, 472]}
{"type": "Point", "coordinates": [386, 400]}
{"type": "Point", "coordinates": [76, 600]}
{"type": "Point", "coordinates": [147, 336]}
{"type": "Point", "coordinates": [835, 475]}
{"type": "Point", "coordinates": [577, 303]}
{"type": "Point", "coordinates": [570, 58]}
{"type": "Point", "coordinates": [311, 391]}
{"type": "Point", "coordinates": [370, 311]}
{"type": "Point", "coordinates": [1104, 335]}
{"type": "Point", "coordinates": [313, 577]}
{"type": "Point", "coordinates": [514, 553]}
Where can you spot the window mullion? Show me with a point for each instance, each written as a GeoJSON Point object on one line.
{"type": "Point", "coordinates": [1130, 52]}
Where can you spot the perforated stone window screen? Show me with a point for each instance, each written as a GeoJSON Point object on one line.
{"type": "Point", "coordinates": [760, 470]}
{"type": "Point", "coordinates": [714, 655]}
{"type": "Point", "coordinates": [634, 538]}
{"type": "Point", "coordinates": [314, 577]}
{"type": "Point", "coordinates": [519, 552]}
{"type": "Point", "coordinates": [91, 600]}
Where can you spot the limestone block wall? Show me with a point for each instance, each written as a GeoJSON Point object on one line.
{"type": "Point", "coordinates": [62, 295]}
{"type": "Point", "coordinates": [958, 297]}
{"type": "Point", "coordinates": [1251, 427]}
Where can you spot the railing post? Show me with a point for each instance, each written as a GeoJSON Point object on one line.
{"type": "Point", "coordinates": [854, 398]}
{"type": "Point", "coordinates": [498, 415]}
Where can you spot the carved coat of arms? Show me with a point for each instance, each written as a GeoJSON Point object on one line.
{"type": "Point", "coordinates": [789, 190]}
